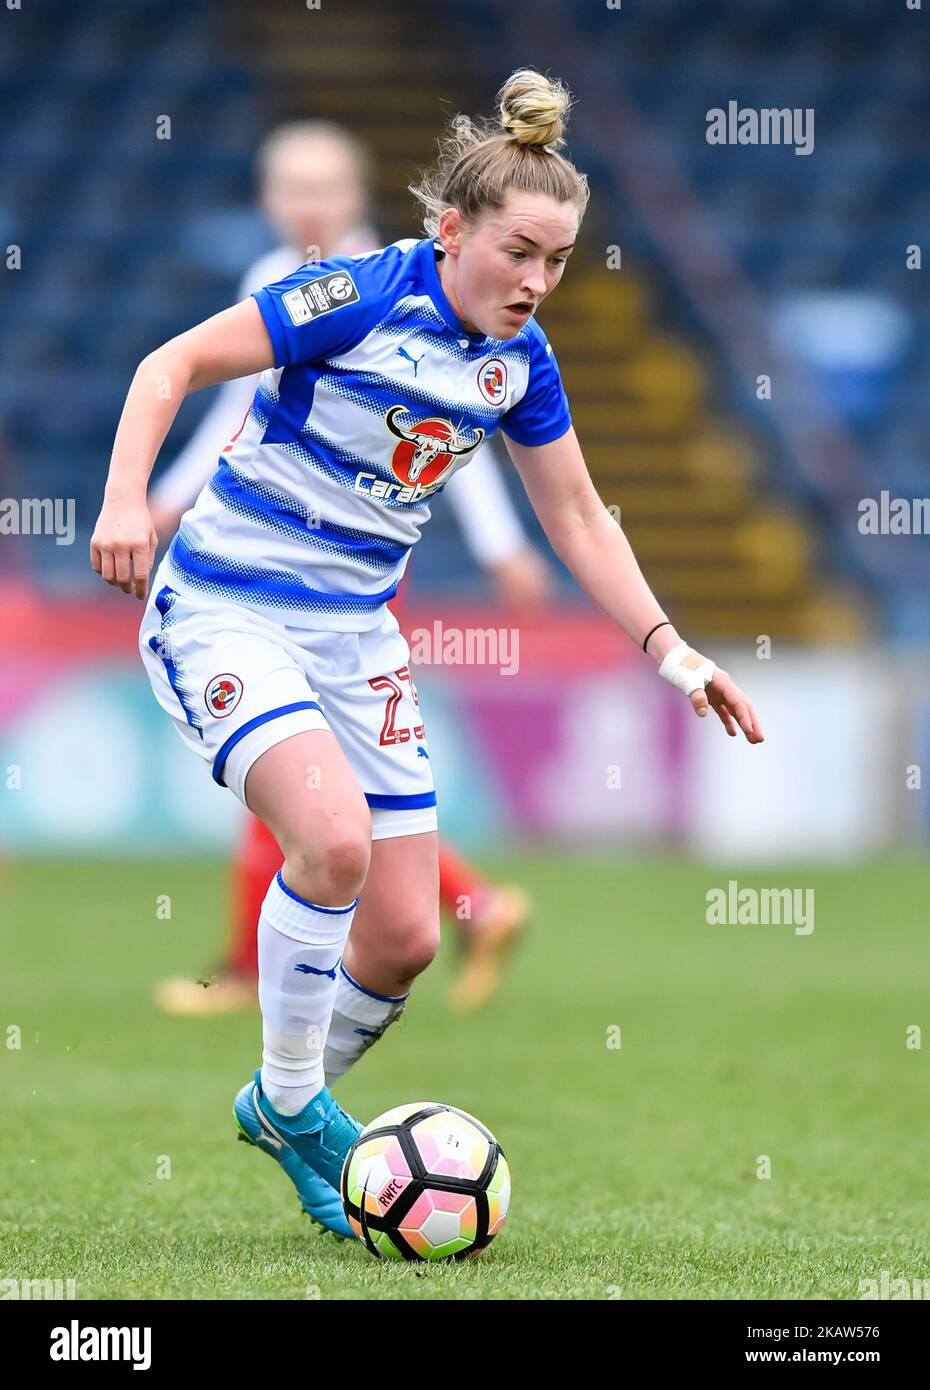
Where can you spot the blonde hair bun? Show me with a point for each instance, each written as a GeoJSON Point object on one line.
{"type": "Point", "coordinates": [480, 160]}
{"type": "Point", "coordinates": [533, 109]}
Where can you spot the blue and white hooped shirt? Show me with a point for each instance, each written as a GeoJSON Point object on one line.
{"type": "Point", "coordinates": [378, 395]}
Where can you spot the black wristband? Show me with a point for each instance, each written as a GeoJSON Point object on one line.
{"type": "Point", "coordinates": [666, 623]}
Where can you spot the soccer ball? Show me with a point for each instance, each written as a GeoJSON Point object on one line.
{"type": "Point", "coordinates": [425, 1181]}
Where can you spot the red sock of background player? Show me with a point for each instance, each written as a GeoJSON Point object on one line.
{"type": "Point", "coordinates": [461, 888]}
{"type": "Point", "coordinates": [258, 859]}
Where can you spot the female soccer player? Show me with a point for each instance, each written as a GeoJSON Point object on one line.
{"type": "Point", "coordinates": [314, 190]}
{"type": "Point", "coordinates": [266, 636]}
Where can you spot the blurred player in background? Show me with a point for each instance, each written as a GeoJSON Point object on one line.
{"type": "Point", "coordinates": [314, 180]}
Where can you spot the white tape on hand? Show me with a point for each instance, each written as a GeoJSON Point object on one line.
{"type": "Point", "coordinates": [686, 668]}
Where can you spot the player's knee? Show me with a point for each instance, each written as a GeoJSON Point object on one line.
{"type": "Point", "coordinates": [330, 865]}
{"type": "Point", "coordinates": [347, 853]}
{"type": "Point", "coordinates": [415, 943]}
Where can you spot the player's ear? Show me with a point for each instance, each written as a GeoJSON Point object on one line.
{"type": "Point", "coordinates": [451, 226]}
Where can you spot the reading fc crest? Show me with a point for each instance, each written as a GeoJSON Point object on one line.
{"type": "Point", "coordinates": [492, 381]}
{"type": "Point", "coordinates": [222, 694]}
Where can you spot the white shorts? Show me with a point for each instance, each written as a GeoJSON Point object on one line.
{"type": "Point", "coordinates": [236, 683]}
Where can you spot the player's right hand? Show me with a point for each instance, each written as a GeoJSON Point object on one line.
{"type": "Point", "coordinates": [122, 548]}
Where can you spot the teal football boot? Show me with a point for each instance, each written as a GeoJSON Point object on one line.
{"type": "Point", "coordinates": [310, 1146]}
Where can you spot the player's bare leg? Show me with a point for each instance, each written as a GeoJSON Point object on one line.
{"type": "Point", "coordinates": [307, 795]}
{"type": "Point", "coordinates": [395, 934]}
{"type": "Point", "coordinates": [305, 792]}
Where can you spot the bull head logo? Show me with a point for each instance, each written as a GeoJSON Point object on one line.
{"type": "Point", "coordinates": [428, 446]}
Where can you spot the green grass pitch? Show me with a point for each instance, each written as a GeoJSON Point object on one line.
{"type": "Point", "coordinates": [634, 1168]}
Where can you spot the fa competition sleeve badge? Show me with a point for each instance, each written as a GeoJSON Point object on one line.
{"type": "Point", "coordinates": [320, 296]}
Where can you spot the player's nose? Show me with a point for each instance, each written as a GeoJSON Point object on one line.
{"type": "Point", "coordinates": [534, 283]}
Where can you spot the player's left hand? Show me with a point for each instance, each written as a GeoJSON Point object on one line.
{"type": "Point", "coordinates": [734, 711]}
{"type": "Point", "coordinates": [709, 687]}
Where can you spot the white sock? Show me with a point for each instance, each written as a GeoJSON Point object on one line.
{"type": "Point", "coordinates": [359, 1018]}
{"type": "Point", "coordinates": [300, 947]}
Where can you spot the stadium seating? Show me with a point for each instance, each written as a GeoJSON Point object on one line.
{"type": "Point", "coordinates": [126, 239]}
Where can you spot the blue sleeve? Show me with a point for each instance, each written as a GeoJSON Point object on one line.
{"type": "Point", "coordinates": [542, 414]}
{"type": "Point", "coordinates": [326, 308]}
